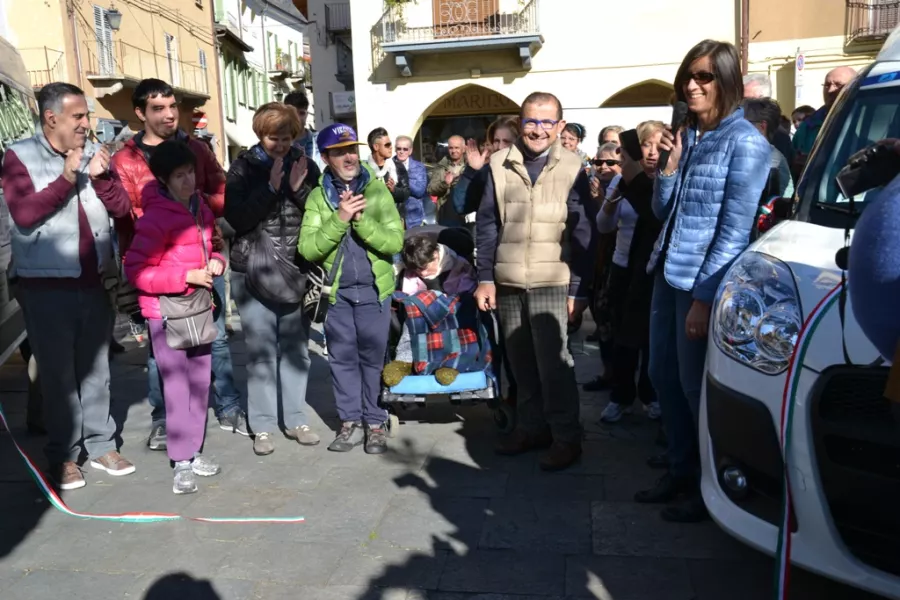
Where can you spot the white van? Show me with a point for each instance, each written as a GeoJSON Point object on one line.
{"type": "Point", "coordinates": [844, 454]}
{"type": "Point", "coordinates": [18, 117]}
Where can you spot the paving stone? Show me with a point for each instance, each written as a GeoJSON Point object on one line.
{"type": "Point", "coordinates": [73, 585]}
{"type": "Point", "coordinates": [423, 522]}
{"type": "Point", "coordinates": [630, 529]}
{"type": "Point", "coordinates": [274, 591]}
{"type": "Point", "coordinates": [505, 572]}
{"type": "Point", "coordinates": [555, 486]}
{"type": "Point", "coordinates": [390, 567]}
{"type": "Point", "coordinates": [714, 580]}
{"type": "Point", "coordinates": [626, 578]}
{"type": "Point", "coordinates": [296, 563]}
{"type": "Point", "coordinates": [540, 526]}
{"type": "Point", "coordinates": [449, 478]}
{"type": "Point", "coordinates": [9, 576]}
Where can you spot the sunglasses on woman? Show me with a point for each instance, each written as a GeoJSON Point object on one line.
{"type": "Point", "coordinates": [703, 77]}
{"type": "Point", "coordinates": [609, 162]}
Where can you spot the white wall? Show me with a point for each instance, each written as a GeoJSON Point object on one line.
{"type": "Point", "coordinates": [575, 63]}
{"type": "Point", "coordinates": [324, 62]}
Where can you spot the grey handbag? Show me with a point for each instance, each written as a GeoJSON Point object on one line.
{"type": "Point", "coordinates": [188, 319]}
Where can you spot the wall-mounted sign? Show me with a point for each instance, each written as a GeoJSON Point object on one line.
{"type": "Point", "coordinates": [475, 100]}
{"type": "Point", "coordinates": [343, 104]}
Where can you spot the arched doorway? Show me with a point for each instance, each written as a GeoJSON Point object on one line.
{"type": "Point", "coordinates": [465, 111]}
{"type": "Point", "coordinates": [647, 93]}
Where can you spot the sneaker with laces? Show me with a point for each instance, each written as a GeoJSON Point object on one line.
{"type": "Point", "coordinates": [376, 439]}
{"type": "Point", "coordinates": [614, 412]}
{"type": "Point", "coordinates": [157, 439]}
{"type": "Point", "coordinates": [349, 437]}
{"type": "Point", "coordinates": [654, 412]}
{"type": "Point", "coordinates": [204, 466]}
{"type": "Point", "coordinates": [184, 482]}
{"type": "Point", "coordinates": [113, 463]}
{"type": "Point", "coordinates": [68, 476]}
{"type": "Point", "coordinates": [263, 444]}
{"type": "Point", "coordinates": [303, 435]}
{"type": "Point", "coordinates": [235, 422]}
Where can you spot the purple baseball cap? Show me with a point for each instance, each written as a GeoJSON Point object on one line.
{"type": "Point", "coordinates": [337, 135]}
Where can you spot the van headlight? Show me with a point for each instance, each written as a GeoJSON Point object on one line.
{"type": "Point", "coordinates": [756, 315]}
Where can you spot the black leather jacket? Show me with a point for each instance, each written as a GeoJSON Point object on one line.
{"type": "Point", "coordinates": [251, 202]}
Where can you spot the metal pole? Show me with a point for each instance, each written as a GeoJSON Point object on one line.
{"type": "Point", "coordinates": [223, 139]}
{"type": "Point", "coordinates": [745, 35]}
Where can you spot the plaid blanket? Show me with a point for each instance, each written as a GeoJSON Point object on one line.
{"type": "Point", "coordinates": [445, 331]}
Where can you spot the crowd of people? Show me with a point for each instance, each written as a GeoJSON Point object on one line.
{"type": "Point", "coordinates": [641, 238]}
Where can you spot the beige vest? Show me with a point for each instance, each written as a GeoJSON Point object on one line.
{"type": "Point", "coordinates": [532, 251]}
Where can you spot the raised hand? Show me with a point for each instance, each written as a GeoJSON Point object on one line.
{"type": "Point", "coordinates": [276, 174]}
{"type": "Point", "coordinates": [476, 158]}
{"type": "Point", "coordinates": [298, 174]}
{"type": "Point", "coordinates": [99, 163]}
{"type": "Point", "coordinates": [350, 206]}
{"type": "Point", "coordinates": [73, 163]}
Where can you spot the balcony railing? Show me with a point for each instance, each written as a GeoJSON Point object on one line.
{"type": "Point", "coordinates": [122, 61]}
{"type": "Point", "coordinates": [871, 20]}
{"type": "Point", "coordinates": [456, 19]}
{"type": "Point", "coordinates": [44, 65]}
{"type": "Point", "coordinates": [337, 17]}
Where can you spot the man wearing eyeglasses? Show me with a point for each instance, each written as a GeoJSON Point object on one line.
{"type": "Point", "coordinates": [535, 249]}
{"type": "Point", "coordinates": [411, 174]}
{"type": "Point", "coordinates": [806, 134]}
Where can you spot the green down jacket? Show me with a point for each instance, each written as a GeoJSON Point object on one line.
{"type": "Point", "coordinates": [380, 230]}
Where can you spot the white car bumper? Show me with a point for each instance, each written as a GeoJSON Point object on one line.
{"type": "Point", "coordinates": [817, 545]}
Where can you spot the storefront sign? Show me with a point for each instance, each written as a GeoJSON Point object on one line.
{"type": "Point", "coordinates": [475, 101]}
{"type": "Point", "coordinates": [343, 104]}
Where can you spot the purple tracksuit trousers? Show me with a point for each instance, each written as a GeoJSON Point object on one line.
{"type": "Point", "coordinates": [185, 378]}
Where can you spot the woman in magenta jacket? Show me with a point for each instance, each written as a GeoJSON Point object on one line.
{"type": "Point", "coordinates": [168, 256]}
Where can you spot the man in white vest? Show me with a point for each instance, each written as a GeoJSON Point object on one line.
{"type": "Point", "coordinates": [535, 237]}
{"type": "Point", "coordinates": [60, 195]}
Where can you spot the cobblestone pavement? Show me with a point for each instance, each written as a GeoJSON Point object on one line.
{"type": "Point", "coordinates": [439, 517]}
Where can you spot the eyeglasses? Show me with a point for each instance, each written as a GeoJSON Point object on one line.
{"type": "Point", "coordinates": [831, 84]}
{"type": "Point", "coordinates": [386, 144]}
{"type": "Point", "coordinates": [399, 149]}
{"type": "Point", "coordinates": [531, 124]}
{"type": "Point", "coordinates": [703, 77]}
{"type": "Point", "coordinates": [609, 162]}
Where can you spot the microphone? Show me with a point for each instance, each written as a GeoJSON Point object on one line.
{"type": "Point", "coordinates": [679, 115]}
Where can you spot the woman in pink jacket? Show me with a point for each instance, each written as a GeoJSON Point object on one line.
{"type": "Point", "coordinates": [167, 257]}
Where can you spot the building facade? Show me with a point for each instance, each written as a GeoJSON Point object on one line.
{"type": "Point", "coordinates": [826, 33]}
{"type": "Point", "coordinates": [432, 68]}
{"type": "Point", "coordinates": [107, 46]}
{"type": "Point", "coordinates": [263, 56]}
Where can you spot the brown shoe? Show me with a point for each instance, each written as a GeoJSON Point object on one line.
{"type": "Point", "coordinates": [561, 456]}
{"type": "Point", "coordinates": [67, 476]}
{"type": "Point", "coordinates": [520, 442]}
{"type": "Point", "coordinates": [113, 463]}
{"type": "Point", "coordinates": [303, 435]}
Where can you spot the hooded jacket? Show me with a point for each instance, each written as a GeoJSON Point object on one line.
{"type": "Point", "coordinates": [166, 245]}
{"type": "Point", "coordinates": [708, 205]}
{"type": "Point", "coordinates": [250, 201]}
{"type": "Point", "coordinates": [132, 166]}
{"type": "Point", "coordinates": [371, 242]}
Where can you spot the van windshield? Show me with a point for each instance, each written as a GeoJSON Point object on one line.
{"type": "Point", "coordinates": [869, 116]}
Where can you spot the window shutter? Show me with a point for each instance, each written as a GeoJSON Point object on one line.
{"type": "Point", "coordinates": [103, 33]}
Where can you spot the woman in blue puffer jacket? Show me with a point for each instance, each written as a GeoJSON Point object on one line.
{"type": "Point", "coordinates": [707, 195]}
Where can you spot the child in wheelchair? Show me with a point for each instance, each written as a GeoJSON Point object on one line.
{"type": "Point", "coordinates": [436, 287]}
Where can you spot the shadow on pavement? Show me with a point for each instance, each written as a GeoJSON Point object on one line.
{"type": "Point", "coordinates": [181, 586]}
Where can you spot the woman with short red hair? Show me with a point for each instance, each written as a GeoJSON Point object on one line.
{"type": "Point", "coordinates": [265, 195]}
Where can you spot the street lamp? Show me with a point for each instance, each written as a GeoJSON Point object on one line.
{"type": "Point", "coordinates": [114, 17]}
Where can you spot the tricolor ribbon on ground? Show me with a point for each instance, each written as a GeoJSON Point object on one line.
{"type": "Point", "coordinates": [791, 384]}
{"type": "Point", "coordinates": [135, 517]}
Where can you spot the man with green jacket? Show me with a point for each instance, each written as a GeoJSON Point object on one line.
{"type": "Point", "coordinates": [351, 219]}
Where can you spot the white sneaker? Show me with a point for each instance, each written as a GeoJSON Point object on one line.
{"type": "Point", "coordinates": [184, 482]}
{"type": "Point", "coordinates": [203, 466]}
{"type": "Point", "coordinates": [654, 412]}
{"type": "Point", "coordinates": [614, 412]}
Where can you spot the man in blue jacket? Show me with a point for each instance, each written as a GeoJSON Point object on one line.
{"type": "Point", "coordinates": [416, 180]}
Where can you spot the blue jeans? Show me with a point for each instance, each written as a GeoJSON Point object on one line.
{"type": "Point", "coordinates": [676, 371]}
{"type": "Point", "coordinates": [227, 396]}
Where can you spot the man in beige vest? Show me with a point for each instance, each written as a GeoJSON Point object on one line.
{"type": "Point", "coordinates": [535, 235]}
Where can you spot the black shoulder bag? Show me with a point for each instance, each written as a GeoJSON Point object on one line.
{"type": "Point", "coordinates": [271, 276]}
